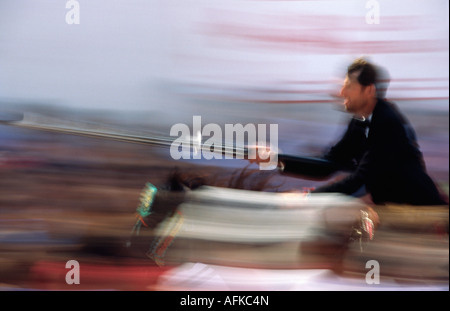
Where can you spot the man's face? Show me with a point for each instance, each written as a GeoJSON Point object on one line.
{"type": "Point", "coordinates": [355, 95]}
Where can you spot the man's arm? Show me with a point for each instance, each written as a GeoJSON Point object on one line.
{"type": "Point", "coordinates": [351, 183]}
{"type": "Point", "coordinates": [309, 167]}
{"type": "Point", "coordinates": [341, 157]}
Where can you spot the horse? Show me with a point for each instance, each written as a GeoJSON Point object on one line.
{"type": "Point", "coordinates": [166, 210]}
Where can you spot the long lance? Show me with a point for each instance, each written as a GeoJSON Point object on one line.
{"type": "Point", "coordinates": [43, 123]}
{"type": "Point", "coordinates": [305, 166]}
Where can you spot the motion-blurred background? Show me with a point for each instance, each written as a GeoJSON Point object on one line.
{"type": "Point", "coordinates": [143, 66]}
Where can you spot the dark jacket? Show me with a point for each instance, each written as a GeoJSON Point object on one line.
{"type": "Point", "coordinates": [387, 162]}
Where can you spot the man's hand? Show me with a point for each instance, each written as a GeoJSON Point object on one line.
{"type": "Point", "coordinates": [265, 157]}
{"type": "Point", "coordinates": [259, 154]}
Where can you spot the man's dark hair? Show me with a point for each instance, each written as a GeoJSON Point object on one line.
{"type": "Point", "coordinates": [365, 71]}
{"type": "Point", "coordinates": [367, 74]}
